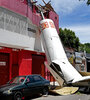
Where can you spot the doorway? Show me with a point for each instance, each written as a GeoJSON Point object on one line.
{"type": "Point", "coordinates": [38, 65]}
{"type": "Point", "coordinates": [4, 68]}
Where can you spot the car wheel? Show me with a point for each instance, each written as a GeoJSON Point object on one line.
{"type": "Point", "coordinates": [45, 91]}
{"type": "Point", "coordinates": [18, 96]}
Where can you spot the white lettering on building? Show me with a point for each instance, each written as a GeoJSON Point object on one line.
{"type": "Point", "coordinates": [13, 23]}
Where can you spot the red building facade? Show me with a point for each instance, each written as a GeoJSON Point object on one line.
{"type": "Point", "coordinates": [21, 49]}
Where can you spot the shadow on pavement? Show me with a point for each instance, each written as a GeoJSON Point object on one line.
{"type": "Point", "coordinates": [33, 97]}
{"type": "Point", "coordinates": [38, 96]}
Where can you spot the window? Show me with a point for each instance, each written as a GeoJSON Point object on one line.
{"type": "Point", "coordinates": [37, 78]}
{"type": "Point", "coordinates": [29, 79]}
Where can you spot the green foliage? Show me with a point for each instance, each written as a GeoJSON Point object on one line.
{"type": "Point", "coordinates": [82, 47]}
{"type": "Point", "coordinates": [88, 2]}
{"type": "Point", "coordinates": [85, 47]}
{"type": "Point", "coordinates": [69, 39]}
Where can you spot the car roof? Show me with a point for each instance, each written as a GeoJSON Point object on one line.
{"type": "Point", "coordinates": [30, 75]}
{"type": "Point", "coordinates": [33, 75]}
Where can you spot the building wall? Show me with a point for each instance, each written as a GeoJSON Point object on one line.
{"type": "Point", "coordinates": [14, 27]}
{"type": "Point", "coordinates": [21, 8]}
{"type": "Point", "coordinates": [77, 59]}
{"type": "Point", "coordinates": [15, 5]}
{"type": "Point", "coordinates": [88, 65]}
{"type": "Point", "coordinates": [80, 62]}
{"type": "Point", "coordinates": [20, 40]}
{"type": "Point", "coordinates": [25, 62]}
{"type": "Point", "coordinates": [4, 67]}
{"type": "Point", "coordinates": [14, 62]}
{"type": "Point", "coordinates": [55, 18]}
{"type": "Point", "coordinates": [88, 61]}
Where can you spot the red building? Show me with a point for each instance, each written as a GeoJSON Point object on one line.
{"type": "Point", "coordinates": [21, 49]}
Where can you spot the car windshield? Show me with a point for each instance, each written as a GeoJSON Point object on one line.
{"type": "Point", "coordinates": [17, 80]}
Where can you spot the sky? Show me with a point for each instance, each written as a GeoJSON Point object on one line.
{"type": "Point", "coordinates": [73, 15]}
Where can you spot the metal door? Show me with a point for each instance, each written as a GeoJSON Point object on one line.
{"type": "Point", "coordinates": [37, 62]}
{"type": "Point", "coordinates": [4, 68]}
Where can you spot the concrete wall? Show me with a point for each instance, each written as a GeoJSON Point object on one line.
{"type": "Point", "coordinates": [17, 31]}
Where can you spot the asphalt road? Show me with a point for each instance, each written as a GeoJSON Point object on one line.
{"type": "Point", "coordinates": [68, 97]}
{"type": "Point", "coordinates": [58, 97]}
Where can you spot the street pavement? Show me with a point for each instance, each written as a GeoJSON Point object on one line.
{"type": "Point", "coordinates": [59, 97]}
{"type": "Point", "coordinates": [68, 97]}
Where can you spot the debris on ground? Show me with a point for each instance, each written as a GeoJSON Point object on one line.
{"type": "Point", "coordinates": [65, 90]}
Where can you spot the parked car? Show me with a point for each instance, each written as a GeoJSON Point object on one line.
{"type": "Point", "coordinates": [23, 86]}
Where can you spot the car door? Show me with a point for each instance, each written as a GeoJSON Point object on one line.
{"type": "Point", "coordinates": [34, 84]}
{"type": "Point", "coordinates": [38, 84]}
{"type": "Point", "coordinates": [29, 86]}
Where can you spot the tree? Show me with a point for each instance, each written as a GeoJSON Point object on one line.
{"type": "Point", "coordinates": [88, 2]}
{"type": "Point", "coordinates": [85, 47]}
{"type": "Point", "coordinates": [69, 38]}
{"type": "Point", "coordinates": [82, 47]}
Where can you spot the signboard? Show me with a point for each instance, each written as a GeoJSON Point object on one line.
{"type": "Point", "coordinates": [78, 61]}
{"type": "Point", "coordinates": [2, 63]}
